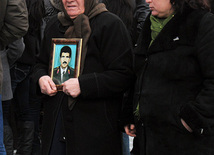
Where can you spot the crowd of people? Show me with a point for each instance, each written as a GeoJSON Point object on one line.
{"type": "Point", "coordinates": [144, 69]}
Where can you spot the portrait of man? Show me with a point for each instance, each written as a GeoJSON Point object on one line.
{"type": "Point", "coordinates": [63, 72]}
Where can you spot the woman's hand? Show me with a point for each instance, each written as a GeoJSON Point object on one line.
{"type": "Point", "coordinates": [185, 125]}
{"type": "Point", "coordinates": [130, 130]}
{"type": "Point", "coordinates": [47, 86]}
{"type": "Point", "coordinates": [71, 87]}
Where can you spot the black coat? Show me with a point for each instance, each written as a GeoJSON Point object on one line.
{"type": "Point", "coordinates": [175, 79]}
{"type": "Point", "coordinates": [92, 126]}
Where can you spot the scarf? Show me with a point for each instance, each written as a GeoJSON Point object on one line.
{"type": "Point", "coordinates": [80, 28]}
{"type": "Point", "coordinates": [157, 25]}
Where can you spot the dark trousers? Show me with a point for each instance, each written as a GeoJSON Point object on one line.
{"type": "Point", "coordinates": [20, 86]}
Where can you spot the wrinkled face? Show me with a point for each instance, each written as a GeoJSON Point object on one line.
{"type": "Point", "coordinates": [65, 59]}
{"type": "Point", "coordinates": [74, 7]}
{"type": "Point", "coordinates": [160, 8]}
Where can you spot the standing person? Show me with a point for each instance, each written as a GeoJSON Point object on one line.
{"type": "Point", "coordinates": [174, 91]}
{"type": "Point", "coordinates": [20, 79]}
{"type": "Point", "coordinates": [83, 118]}
{"type": "Point", "coordinates": [13, 25]}
{"type": "Point", "coordinates": [8, 57]}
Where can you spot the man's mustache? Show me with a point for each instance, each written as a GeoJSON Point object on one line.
{"type": "Point", "coordinates": [64, 62]}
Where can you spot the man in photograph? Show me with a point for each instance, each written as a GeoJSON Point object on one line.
{"type": "Point", "coordinates": [64, 71]}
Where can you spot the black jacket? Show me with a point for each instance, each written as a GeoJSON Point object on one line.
{"type": "Point", "coordinates": [141, 12]}
{"type": "Point", "coordinates": [175, 79]}
{"type": "Point", "coordinates": [92, 126]}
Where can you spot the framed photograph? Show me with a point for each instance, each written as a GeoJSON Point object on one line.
{"type": "Point", "coordinates": [65, 60]}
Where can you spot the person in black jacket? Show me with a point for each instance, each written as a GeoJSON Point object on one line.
{"type": "Point", "coordinates": [174, 91]}
{"type": "Point", "coordinates": [83, 118]}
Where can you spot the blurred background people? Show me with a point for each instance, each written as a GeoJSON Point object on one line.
{"type": "Point", "coordinates": [173, 62]}
{"type": "Point", "coordinates": [26, 106]}
{"type": "Point", "coordinates": [52, 7]}
{"type": "Point", "coordinates": [13, 25]}
{"type": "Point", "coordinates": [8, 57]}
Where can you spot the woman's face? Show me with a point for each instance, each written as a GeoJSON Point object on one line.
{"type": "Point", "coordinates": [160, 8]}
{"type": "Point", "coordinates": [74, 7]}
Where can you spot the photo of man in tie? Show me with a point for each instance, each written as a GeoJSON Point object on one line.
{"type": "Point", "coordinates": [63, 72]}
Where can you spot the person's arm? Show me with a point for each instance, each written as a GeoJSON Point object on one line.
{"type": "Point", "coordinates": [14, 51]}
{"type": "Point", "coordinates": [15, 22]}
{"type": "Point", "coordinates": [116, 57]}
{"type": "Point", "coordinates": [198, 114]}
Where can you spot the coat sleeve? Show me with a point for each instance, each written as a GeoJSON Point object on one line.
{"type": "Point", "coordinates": [199, 114]}
{"type": "Point", "coordinates": [15, 22]}
{"type": "Point", "coordinates": [116, 57]}
{"type": "Point", "coordinates": [15, 51]}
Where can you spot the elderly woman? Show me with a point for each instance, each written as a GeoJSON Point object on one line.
{"type": "Point", "coordinates": [174, 91]}
{"type": "Point", "coordinates": [83, 118]}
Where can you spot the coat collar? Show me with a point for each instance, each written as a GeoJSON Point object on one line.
{"type": "Point", "coordinates": [181, 29]}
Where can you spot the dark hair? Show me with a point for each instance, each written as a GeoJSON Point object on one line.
{"type": "Point", "coordinates": [179, 5]}
{"type": "Point", "coordinates": [122, 8]}
{"type": "Point", "coordinates": [65, 49]}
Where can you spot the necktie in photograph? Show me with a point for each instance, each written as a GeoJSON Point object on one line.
{"type": "Point", "coordinates": [63, 73]}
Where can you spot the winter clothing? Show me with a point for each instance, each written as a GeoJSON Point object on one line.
{"type": "Point", "coordinates": [13, 25]}
{"type": "Point", "coordinates": [56, 4]}
{"type": "Point", "coordinates": [13, 21]}
{"type": "Point", "coordinates": [50, 10]}
{"type": "Point", "coordinates": [91, 127]}
{"type": "Point", "coordinates": [175, 77]}
{"type": "Point", "coordinates": [141, 12]}
{"type": "Point", "coordinates": [10, 55]}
